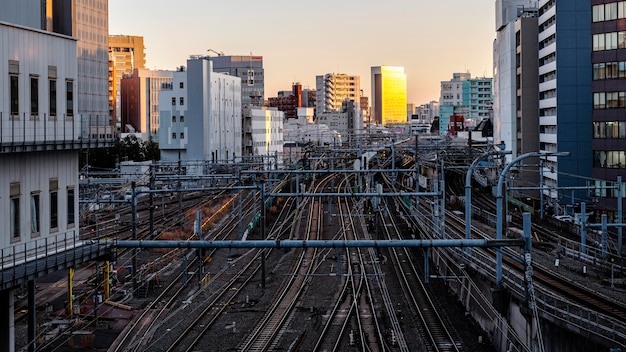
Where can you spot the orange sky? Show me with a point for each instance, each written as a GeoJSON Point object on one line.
{"type": "Point", "coordinates": [431, 39]}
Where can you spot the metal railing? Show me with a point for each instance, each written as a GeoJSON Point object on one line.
{"type": "Point", "coordinates": [26, 130]}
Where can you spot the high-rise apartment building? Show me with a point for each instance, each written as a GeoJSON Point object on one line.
{"type": "Point", "coordinates": [249, 68]}
{"type": "Point", "coordinates": [332, 89]}
{"type": "Point", "coordinates": [609, 101]}
{"type": "Point", "coordinates": [466, 97]}
{"type": "Point", "coordinates": [126, 54]}
{"type": "Point", "coordinates": [565, 96]}
{"type": "Point", "coordinates": [389, 95]}
{"type": "Point", "coordinates": [140, 100]}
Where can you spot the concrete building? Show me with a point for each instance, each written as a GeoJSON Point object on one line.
{"type": "Point", "coordinates": [609, 102]}
{"type": "Point", "coordinates": [565, 96]}
{"type": "Point", "coordinates": [515, 95]}
{"type": "Point", "coordinates": [465, 96]}
{"type": "Point", "coordinates": [332, 89]}
{"type": "Point", "coordinates": [288, 101]}
{"type": "Point", "coordinates": [516, 105]}
{"type": "Point", "coordinates": [249, 68]}
{"type": "Point", "coordinates": [266, 125]}
{"type": "Point", "coordinates": [140, 101]}
{"type": "Point", "coordinates": [388, 95]}
{"type": "Point", "coordinates": [346, 121]}
{"type": "Point", "coordinates": [200, 117]}
{"type": "Point", "coordinates": [126, 53]}
{"type": "Point", "coordinates": [42, 133]}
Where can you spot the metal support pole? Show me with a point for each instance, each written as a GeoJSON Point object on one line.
{"type": "Point", "coordinates": [604, 235]}
{"type": "Point", "coordinates": [262, 235]}
{"type": "Point", "coordinates": [151, 201]}
{"type": "Point", "coordinates": [133, 210]}
{"type": "Point", "coordinates": [426, 269]}
{"type": "Point", "coordinates": [583, 229]}
{"type": "Point", "coordinates": [620, 198]}
{"type": "Point", "coordinates": [541, 204]}
{"type": "Point", "coordinates": [70, 292]}
{"type": "Point", "coordinates": [32, 317]}
{"type": "Point", "coordinates": [107, 280]}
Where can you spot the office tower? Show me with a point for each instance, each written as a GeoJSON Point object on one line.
{"type": "Point", "coordinates": [249, 68]}
{"type": "Point", "coordinates": [90, 25]}
{"type": "Point", "coordinates": [332, 89]}
{"type": "Point", "coordinates": [126, 53]}
{"type": "Point", "coordinates": [140, 100]}
{"type": "Point", "coordinates": [609, 102]}
{"type": "Point", "coordinates": [389, 95]}
{"type": "Point", "coordinates": [565, 96]}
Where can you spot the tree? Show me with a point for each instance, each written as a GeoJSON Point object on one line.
{"type": "Point", "coordinates": [128, 148]}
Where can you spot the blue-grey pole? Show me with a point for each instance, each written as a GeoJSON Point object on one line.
{"type": "Point", "coordinates": [620, 198]}
{"type": "Point", "coordinates": [583, 229]}
{"type": "Point", "coordinates": [499, 205]}
{"type": "Point", "coordinates": [468, 195]}
{"type": "Point", "coordinates": [133, 221]}
{"type": "Point", "coordinates": [604, 228]}
{"type": "Point", "coordinates": [541, 206]}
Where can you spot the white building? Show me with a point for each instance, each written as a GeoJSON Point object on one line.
{"type": "Point", "coordinates": [346, 121]}
{"type": "Point", "coordinates": [332, 89]}
{"type": "Point", "coordinates": [39, 143]}
{"type": "Point", "coordinates": [200, 117]}
{"type": "Point", "coordinates": [267, 132]}
{"type": "Point", "coordinates": [452, 90]}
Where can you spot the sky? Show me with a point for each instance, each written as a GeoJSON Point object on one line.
{"type": "Point", "coordinates": [302, 39]}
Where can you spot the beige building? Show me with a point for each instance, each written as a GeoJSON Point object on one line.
{"type": "Point", "coordinates": [126, 53]}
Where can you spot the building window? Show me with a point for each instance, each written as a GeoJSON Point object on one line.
{"type": "Point", "coordinates": [54, 204]}
{"type": "Point", "coordinates": [182, 101]}
{"type": "Point", "coordinates": [52, 109]}
{"type": "Point", "coordinates": [173, 100]}
{"type": "Point", "coordinates": [15, 210]}
{"type": "Point", "coordinates": [173, 135]}
{"type": "Point", "coordinates": [181, 85]}
{"type": "Point", "coordinates": [69, 91]}
{"type": "Point", "coordinates": [182, 135]}
{"type": "Point", "coordinates": [173, 118]}
{"type": "Point", "coordinates": [35, 217]}
{"type": "Point", "coordinates": [71, 211]}
{"type": "Point", "coordinates": [182, 118]}
{"type": "Point", "coordinates": [14, 94]}
{"type": "Point", "coordinates": [34, 97]}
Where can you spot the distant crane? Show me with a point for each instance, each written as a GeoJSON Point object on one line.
{"type": "Point", "coordinates": [220, 53]}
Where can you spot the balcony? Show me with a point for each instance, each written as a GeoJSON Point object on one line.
{"type": "Point", "coordinates": [28, 133]}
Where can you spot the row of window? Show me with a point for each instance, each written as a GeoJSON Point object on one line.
{"type": "Point", "coordinates": [181, 101]}
{"type": "Point", "coordinates": [35, 209]}
{"type": "Point", "coordinates": [182, 135]}
{"type": "Point", "coordinates": [612, 159]}
{"type": "Point", "coordinates": [609, 100]}
{"type": "Point", "coordinates": [609, 130]}
{"type": "Point", "coordinates": [608, 12]}
{"type": "Point", "coordinates": [609, 70]}
{"type": "Point", "coordinates": [181, 119]}
{"type": "Point", "coordinates": [609, 41]}
{"type": "Point", "coordinates": [35, 91]}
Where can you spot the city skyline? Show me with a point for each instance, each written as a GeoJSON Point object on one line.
{"type": "Point", "coordinates": [296, 47]}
